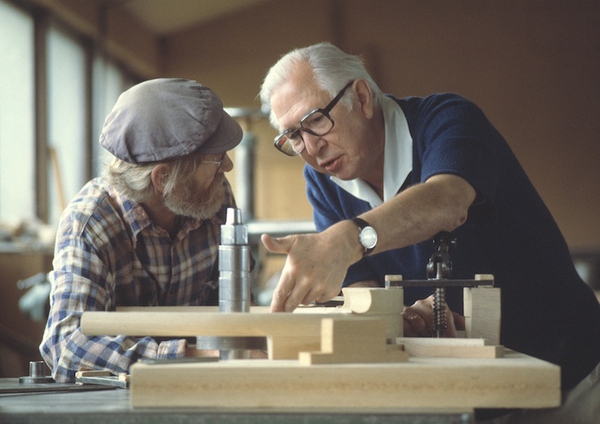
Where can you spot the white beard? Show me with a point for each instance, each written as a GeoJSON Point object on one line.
{"type": "Point", "coordinates": [188, 201]}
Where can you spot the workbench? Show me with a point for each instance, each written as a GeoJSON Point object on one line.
{"type": "Point", "coordinates": [347, 364]}
{"type": "Point", "coordinates": [112, 405]}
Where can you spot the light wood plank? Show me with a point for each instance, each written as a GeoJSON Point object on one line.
{"type": "Point", "coordinates": [482, 313]}
{"type": "Point", "coordinates": [165, 324]}
{"type": "Point", "coordinates": [450, 347]}
{"type": "Point", "coordinates": [515, 381]}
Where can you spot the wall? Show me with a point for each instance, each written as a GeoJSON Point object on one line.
{"type": "Point", "coordinates": [532, 66]}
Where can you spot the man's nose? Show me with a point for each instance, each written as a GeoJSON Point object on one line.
{"type": "Point", "coordinates": [227, 164]}
{"type": "Point", "coordinates": [313, 143]}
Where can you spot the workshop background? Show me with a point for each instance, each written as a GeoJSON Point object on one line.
{"type": "Point", "coordinates": [532, 66]}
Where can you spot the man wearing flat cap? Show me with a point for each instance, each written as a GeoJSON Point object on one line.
{"type": "Point", "coordinates": [147, 232]}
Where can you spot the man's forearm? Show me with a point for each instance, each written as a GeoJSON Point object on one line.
{"type": "Point", "coordinates": [420, 212]}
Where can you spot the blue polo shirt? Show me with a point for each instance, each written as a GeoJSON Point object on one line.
{"type": "Point", "coordinates": [547, 310]}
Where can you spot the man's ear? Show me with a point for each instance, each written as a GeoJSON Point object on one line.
{"type": "Point", "coordinates": [159, 176]}
{"type": "Point", "coordinates": [365, 97]}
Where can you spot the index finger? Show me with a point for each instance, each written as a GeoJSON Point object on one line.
{"type": "Point", "coordinates": [280, 295]}
{"type": "Point", "coordinates": [287, 292]}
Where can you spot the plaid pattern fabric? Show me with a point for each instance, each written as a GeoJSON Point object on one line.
{"type": "Point", "coordinates": [109, 253]}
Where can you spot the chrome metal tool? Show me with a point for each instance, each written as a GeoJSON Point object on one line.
{"type": "Point", "coordinates": [234, 288]}
{"type": "Point", "coordinates": [234, 264]}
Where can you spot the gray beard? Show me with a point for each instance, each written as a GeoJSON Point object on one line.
{"type": "Point", "coordinates": [186, 201]}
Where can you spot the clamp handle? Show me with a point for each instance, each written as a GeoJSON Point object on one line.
{"type": "Point", "coordinates": [440, 265]}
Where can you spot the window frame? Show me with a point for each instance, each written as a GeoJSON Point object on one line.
{"type": "Point", "coordinates": [43, 21]}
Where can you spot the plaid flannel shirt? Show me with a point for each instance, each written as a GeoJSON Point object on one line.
{"type": "Point", "coordinates": [108, 254]}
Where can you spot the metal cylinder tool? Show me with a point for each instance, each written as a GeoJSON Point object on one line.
{"type": "Point", "coordinates": [234, 264]}
{"type": "Point", "coordinates": [37, 374]}
{"type": "Point", "coordinates": [234, 287]}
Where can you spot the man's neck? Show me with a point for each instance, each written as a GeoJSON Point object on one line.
{"type": "Point", "coordinates": [161, 216]}
{"type": "Point", "coordinates": [374, 176]}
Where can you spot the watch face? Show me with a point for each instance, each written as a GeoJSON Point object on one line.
{"type": "Point", "coordinates": [368, 237]}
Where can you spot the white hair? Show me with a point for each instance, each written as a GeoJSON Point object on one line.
{"type": "Point", "coordinates": [135, 180]}
{"type": "Point", "coordinates": [332, 69]}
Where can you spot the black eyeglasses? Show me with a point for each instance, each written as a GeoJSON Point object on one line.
{"type": "Point", "coordinates": [316, 122]}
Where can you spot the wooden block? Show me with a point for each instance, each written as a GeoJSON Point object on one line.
{"type": "Point", "coordinates": [363, 334]}
{"type": "Point", "coordinates": [449, 348]}
{"type": "Point", "coordinates": [515, 381]}
{"type": "Point", "coordinates": [377, 302]}
{"type": "Point", "coordinates": [281, 347]}
{"type": "Point", "coordinates": [482, 313]}
{"type": "Point", "coordinates": [369, 300]}
{"type": "Point", "coordinates": [484, 277]}
{"type": "Point", "coordinates": [351, 341]}
{"type": "Point", "coordinates": [394, 277]}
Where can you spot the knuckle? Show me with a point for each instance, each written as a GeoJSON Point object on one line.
{"type": "Point", "coordinates": [421, 303]}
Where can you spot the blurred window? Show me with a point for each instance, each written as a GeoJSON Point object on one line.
{"type": "Point", "coordinates": [66, 119]}
{"type": "Point", "coordinates": [81, 86]}
{"type": "Point", "coordinates": [17, 118]}
{"type": "Point", "coordinates": [109, 83]}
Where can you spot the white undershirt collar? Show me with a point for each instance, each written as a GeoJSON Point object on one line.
{"type": "Point", "coordinates": [397, 158]}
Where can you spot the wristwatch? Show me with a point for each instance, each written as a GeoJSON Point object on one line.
{"type": "Point", "coordinates": [367, 236]}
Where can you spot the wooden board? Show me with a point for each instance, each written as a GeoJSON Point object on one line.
{"type": "Point", "coordinates": [515, 381]}
{"type": "Point", "coordinates": [450, 348]}
{"type": "Point", "coordinates": [287, 334]}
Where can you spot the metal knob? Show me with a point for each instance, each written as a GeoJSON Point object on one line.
{"type": "Point", "coordinates": [37, 374]}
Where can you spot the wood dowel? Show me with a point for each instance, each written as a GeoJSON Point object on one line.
{"type": "Point", "coordinates": [189, 324]}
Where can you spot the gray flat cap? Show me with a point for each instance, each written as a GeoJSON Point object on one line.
{"type": "Point", "coordinates": [167, 118]}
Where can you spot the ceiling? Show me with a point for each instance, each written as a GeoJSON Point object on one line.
{"type": "Point", "coordinates": [164, 17]}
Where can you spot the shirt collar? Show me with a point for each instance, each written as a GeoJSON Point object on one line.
{"type": "Point", "coordinates": [138, 219]}
{"type": "Point", "coordinates": [397, 158]}
{"type": "Point", "coordinates": [133, 213]}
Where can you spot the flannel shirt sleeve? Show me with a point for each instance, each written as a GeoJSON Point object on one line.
{"type": "Point", "coordinates": [81, 281]}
